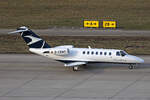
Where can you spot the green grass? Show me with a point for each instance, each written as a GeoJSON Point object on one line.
{"type": "Point", "coordinates": [133, 45]}
{"type": "Point", "coordinates": [130, 14]}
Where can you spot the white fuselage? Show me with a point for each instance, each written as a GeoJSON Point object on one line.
{"type": "Point", "coordinates": [74, 57]}
{"type": "Point", "coordinates": [88, 55]}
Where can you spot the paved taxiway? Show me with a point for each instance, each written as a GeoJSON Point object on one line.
{"type": "Point", "coordinates": [84, 32]}
{"type": "Point", "coordinates": [32, 77]}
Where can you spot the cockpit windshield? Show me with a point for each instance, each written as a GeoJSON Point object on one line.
{"type": "Point", "coordinates": [123, 53]}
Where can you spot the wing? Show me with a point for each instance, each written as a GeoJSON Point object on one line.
{"type": "Point", "coordinates": [74, 64]}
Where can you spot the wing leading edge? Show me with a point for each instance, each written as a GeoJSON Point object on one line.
{"type": "Point", "coordinates": [72, 64]}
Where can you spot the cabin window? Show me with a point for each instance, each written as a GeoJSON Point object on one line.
{"type": "Point", "coordinates": [88, 52]}
{"type": "Point", "coordinates": [117, 53]}
{"type": "Point", "coordinates": [105, 53]}
{"type": "Point", "coordinates": [96, 53]}
{"type": "Point", "coordinates": [110, 53]}
{"type": "Point", "coordinates": [101, 53]}
{"type": "Point", "coordinates": [83, 52]}
{"type": "Point", "coordinates": [92, 52]}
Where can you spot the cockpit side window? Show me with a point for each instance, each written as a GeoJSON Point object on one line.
{"type": "Point", "coordinates": [123, 53]}
{"type": "Point", "coordinates": [117, 53]}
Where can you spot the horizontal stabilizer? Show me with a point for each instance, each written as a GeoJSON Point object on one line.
{"type": "Point", "coordinates": [18, 31]}
{"type": "Point", "coordinates": [75, 64]}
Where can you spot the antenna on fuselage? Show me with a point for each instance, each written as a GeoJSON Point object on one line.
{"type": "Point", "coordinates": [89, 47]}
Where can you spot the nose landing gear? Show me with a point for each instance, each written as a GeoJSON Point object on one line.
{"type": "Point", "coordinates": [131, 66]}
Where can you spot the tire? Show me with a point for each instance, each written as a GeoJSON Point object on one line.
{"type": "Point", "coordinates": [131, 67]}
{"type": "Point", "coordinates": [75, 68]}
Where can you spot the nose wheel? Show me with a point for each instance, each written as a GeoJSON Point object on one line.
{"type": "Point", "coordinates": [131, 66]}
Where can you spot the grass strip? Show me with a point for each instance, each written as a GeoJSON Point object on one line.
{"type": "Point", "coordinates": [134, 45]}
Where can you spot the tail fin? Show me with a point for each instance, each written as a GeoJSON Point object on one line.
{"type": "Point", "coordinates": [31, 39]}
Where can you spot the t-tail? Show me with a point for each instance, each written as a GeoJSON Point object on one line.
{"type": "Point", "coordinates": [31, 39]}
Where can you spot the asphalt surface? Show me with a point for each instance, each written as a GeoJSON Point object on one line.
{"type": "Point", "coordinates": [32, 77]}
{"type": "Point", "coordinates": [84, 32]}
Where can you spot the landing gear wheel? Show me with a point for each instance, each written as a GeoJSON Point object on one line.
{"type": "Point", "coordinates": [131, 66]}
{"type": "Point", "coordinates": [75, 68]}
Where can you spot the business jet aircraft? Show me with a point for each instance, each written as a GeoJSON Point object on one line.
{"type": "Point", "coordinates": [75, 57]}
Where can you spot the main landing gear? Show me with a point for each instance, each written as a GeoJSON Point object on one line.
{"type": "Point", "coordinates": [75, 68]}
{"type": "Point", "coordinates": [131, 66]}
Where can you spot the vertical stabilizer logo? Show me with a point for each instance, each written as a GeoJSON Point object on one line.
{"type": "Point", "coordinates": [33, 39]}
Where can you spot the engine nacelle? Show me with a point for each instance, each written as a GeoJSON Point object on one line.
{"type": "Point", "coordinates": [65, 46]}
{"type": "Point", "coordinates": [59, 51]}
